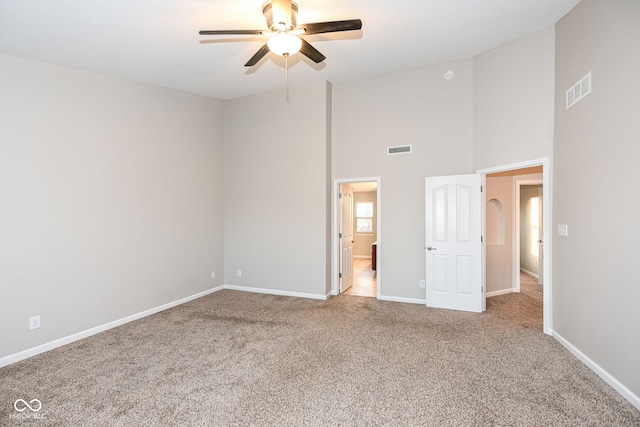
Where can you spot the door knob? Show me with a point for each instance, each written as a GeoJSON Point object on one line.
{"type": "Point", "coordinates": [431, 249]}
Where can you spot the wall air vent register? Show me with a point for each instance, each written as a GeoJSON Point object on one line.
{"type": "Point", "coordinates": [400, 149]}
{"type": "Point", "coordinates": [579, 90]}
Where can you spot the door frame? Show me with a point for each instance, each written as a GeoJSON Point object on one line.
{"type": "Point", "coordinates": [335, 241]}
{"type": "Point", "coordinates": [516, 233]}
{"type": "Point", "coordinates": [547, 194]}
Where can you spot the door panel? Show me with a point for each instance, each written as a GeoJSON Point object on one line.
{"type": "Point", "coordinates": [465, 274]}
{"type": "Point", "coordinates": [439, 271]}
{"type": "Point", "coordinates": [453, 228]}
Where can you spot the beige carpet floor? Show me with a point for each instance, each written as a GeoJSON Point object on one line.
{"type": "Point", "coordinates": [242, 359]}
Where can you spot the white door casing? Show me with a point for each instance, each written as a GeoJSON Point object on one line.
{"type": "Point", "coordinates": [547, 248]}
{"type": "Point", "coordinates": [453, 242]}
{"type": "Point", "coordinates": [540, 238]}
{"type": "Point", "coordinates": [346, 237]}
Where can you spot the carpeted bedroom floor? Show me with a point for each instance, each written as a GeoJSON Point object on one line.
{"type": "Point", "coordinates": [241, 359]}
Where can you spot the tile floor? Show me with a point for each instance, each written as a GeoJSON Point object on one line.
{"type": "Point", "coordinates": [364, 279]}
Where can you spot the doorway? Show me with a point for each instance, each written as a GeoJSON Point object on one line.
{"type": "Point", "coordinates": [526, 171]}
{"type": "Point", "coordinates": [529, 230]}
{"type": "Point", "coordinates": [356, 237]}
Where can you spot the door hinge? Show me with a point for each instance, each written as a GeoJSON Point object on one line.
{"type": "Point", "coordinates": [339, 275]}
{"type": "Point", "coordinates": [339, 195]}
{"type": "Point", "coordinates": [339, 235]}
{"type": "Point", "coordinates": [481, 188]}
{"type": "Point", "coordinates": [481, 239]}
{"type": "Point", "coordinates": [481, 288]}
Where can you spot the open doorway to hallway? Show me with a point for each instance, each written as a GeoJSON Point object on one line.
{"type": "Point", "coordinates": [358, 231]}
{"type": "Point", "coordinates": [514, 251]}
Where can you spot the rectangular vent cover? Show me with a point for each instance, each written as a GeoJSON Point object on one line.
{"type": "Point", "coordinates": [400, 149]}
{"type": "Point", "coordinates": [579, 90]}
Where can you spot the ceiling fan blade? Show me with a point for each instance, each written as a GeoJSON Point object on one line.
{"type": "Point", "coordinates": [332, 26]}
{"type": "Point", "coordinates": [230, 32]}
{"type": "Point", "coordinates": [258, 56]}
{"type": "Point", "coordinates": [311, 52]}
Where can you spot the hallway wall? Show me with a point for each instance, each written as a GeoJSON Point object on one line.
{"type": "Point", "coordinates": [418, 107]}
{"type": "Point", "coordinates": [596, 286]}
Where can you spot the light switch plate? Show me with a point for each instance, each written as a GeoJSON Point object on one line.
{"type": "Point", "coordinates": [563, 230]}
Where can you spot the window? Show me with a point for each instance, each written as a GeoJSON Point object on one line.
{"type": "Point", "coordinates": [364, 217]}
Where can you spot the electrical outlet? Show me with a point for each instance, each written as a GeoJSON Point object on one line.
{"type": "Point", "coordinates": [34, 322]}
{"type": "Point", "coordinates": [239, 273]}
{"type": "Point", "coordinates": [213, 274]}
{"type": "Point", "coordinates": [423, 283]}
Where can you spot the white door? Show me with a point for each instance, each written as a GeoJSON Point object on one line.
{"type": "Point", "coordinates": [346, 237]}
{"type": "Point", "coordinates": [454, 246]}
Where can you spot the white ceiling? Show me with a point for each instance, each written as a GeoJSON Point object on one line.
{"type": "Point", "coordinates": [359, 187]}
{"type": "Point", "coordinates": [157, 41]}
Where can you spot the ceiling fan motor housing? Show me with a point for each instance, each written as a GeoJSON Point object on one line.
{"type": "Point", "coordinates": [274, 22]}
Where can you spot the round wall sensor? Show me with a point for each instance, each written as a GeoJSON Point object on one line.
{"type": "Point", "coordinates": [449, 75]}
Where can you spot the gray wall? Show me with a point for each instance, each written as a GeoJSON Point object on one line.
{"type": "Point", "coordinates": [418, 107]}
{"type": "Point", "coordinates": [596, 174]}
{"type": "Point", "coordinates": [513, 101]}
{"type": "Point", "coordinates": [277, 221]}
{"type": "Point", "coordinates": [110, 199]}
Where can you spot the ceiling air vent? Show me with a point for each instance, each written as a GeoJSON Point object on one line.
{"type": "Point", "coordinates": [400, 149]}
{"type": "Point", "coordinates": [579, 90]}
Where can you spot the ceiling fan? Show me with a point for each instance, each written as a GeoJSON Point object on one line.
{"type": "Point", "coordinates": [284, 32]}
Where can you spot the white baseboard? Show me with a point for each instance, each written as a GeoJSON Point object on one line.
{"type": "Point", "coordinates": [529, 273]}
{"type": "Point", "coordinates": [500, 292]}
{"type": "Point", "coordinates": [405, 300]}
{"type": "Point", "coordinates": [276, 292]}
{"type": "Point", "coordinates": [25, 354]}
{"type": "Point", "coordinates": [607, 377]}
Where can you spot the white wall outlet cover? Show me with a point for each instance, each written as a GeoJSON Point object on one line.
{"type": "Point", "coordinates": [34, 322]}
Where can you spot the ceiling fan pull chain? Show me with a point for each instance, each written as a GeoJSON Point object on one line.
{"type": "Point", "coordinates": [286, 75]}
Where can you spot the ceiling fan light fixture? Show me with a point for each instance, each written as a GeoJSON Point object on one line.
{"type": "Point", "coordinates": [284, 44]}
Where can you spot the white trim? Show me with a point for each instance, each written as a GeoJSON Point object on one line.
{"type": "Point", "coordinates": [362, 256]}
{"type": "Point", "coordinates": [483, 231]}
{"type": "Point", "coordinates": [276, 292]}
{"type": "Point", "coordinates": [547, 208]}
{"type": "Point", "coordinates": [404, 300]}
{"type": "Point", "coordinates": [25, 354]}
{"type": "Point", "coordinates": [514, 166]}
{"type": "Point", "coordinates": [501, 292]}
{"type": "Point", "coordinates": [335, 251]}
{"type": "Point", "coordinates": [607, 377]}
